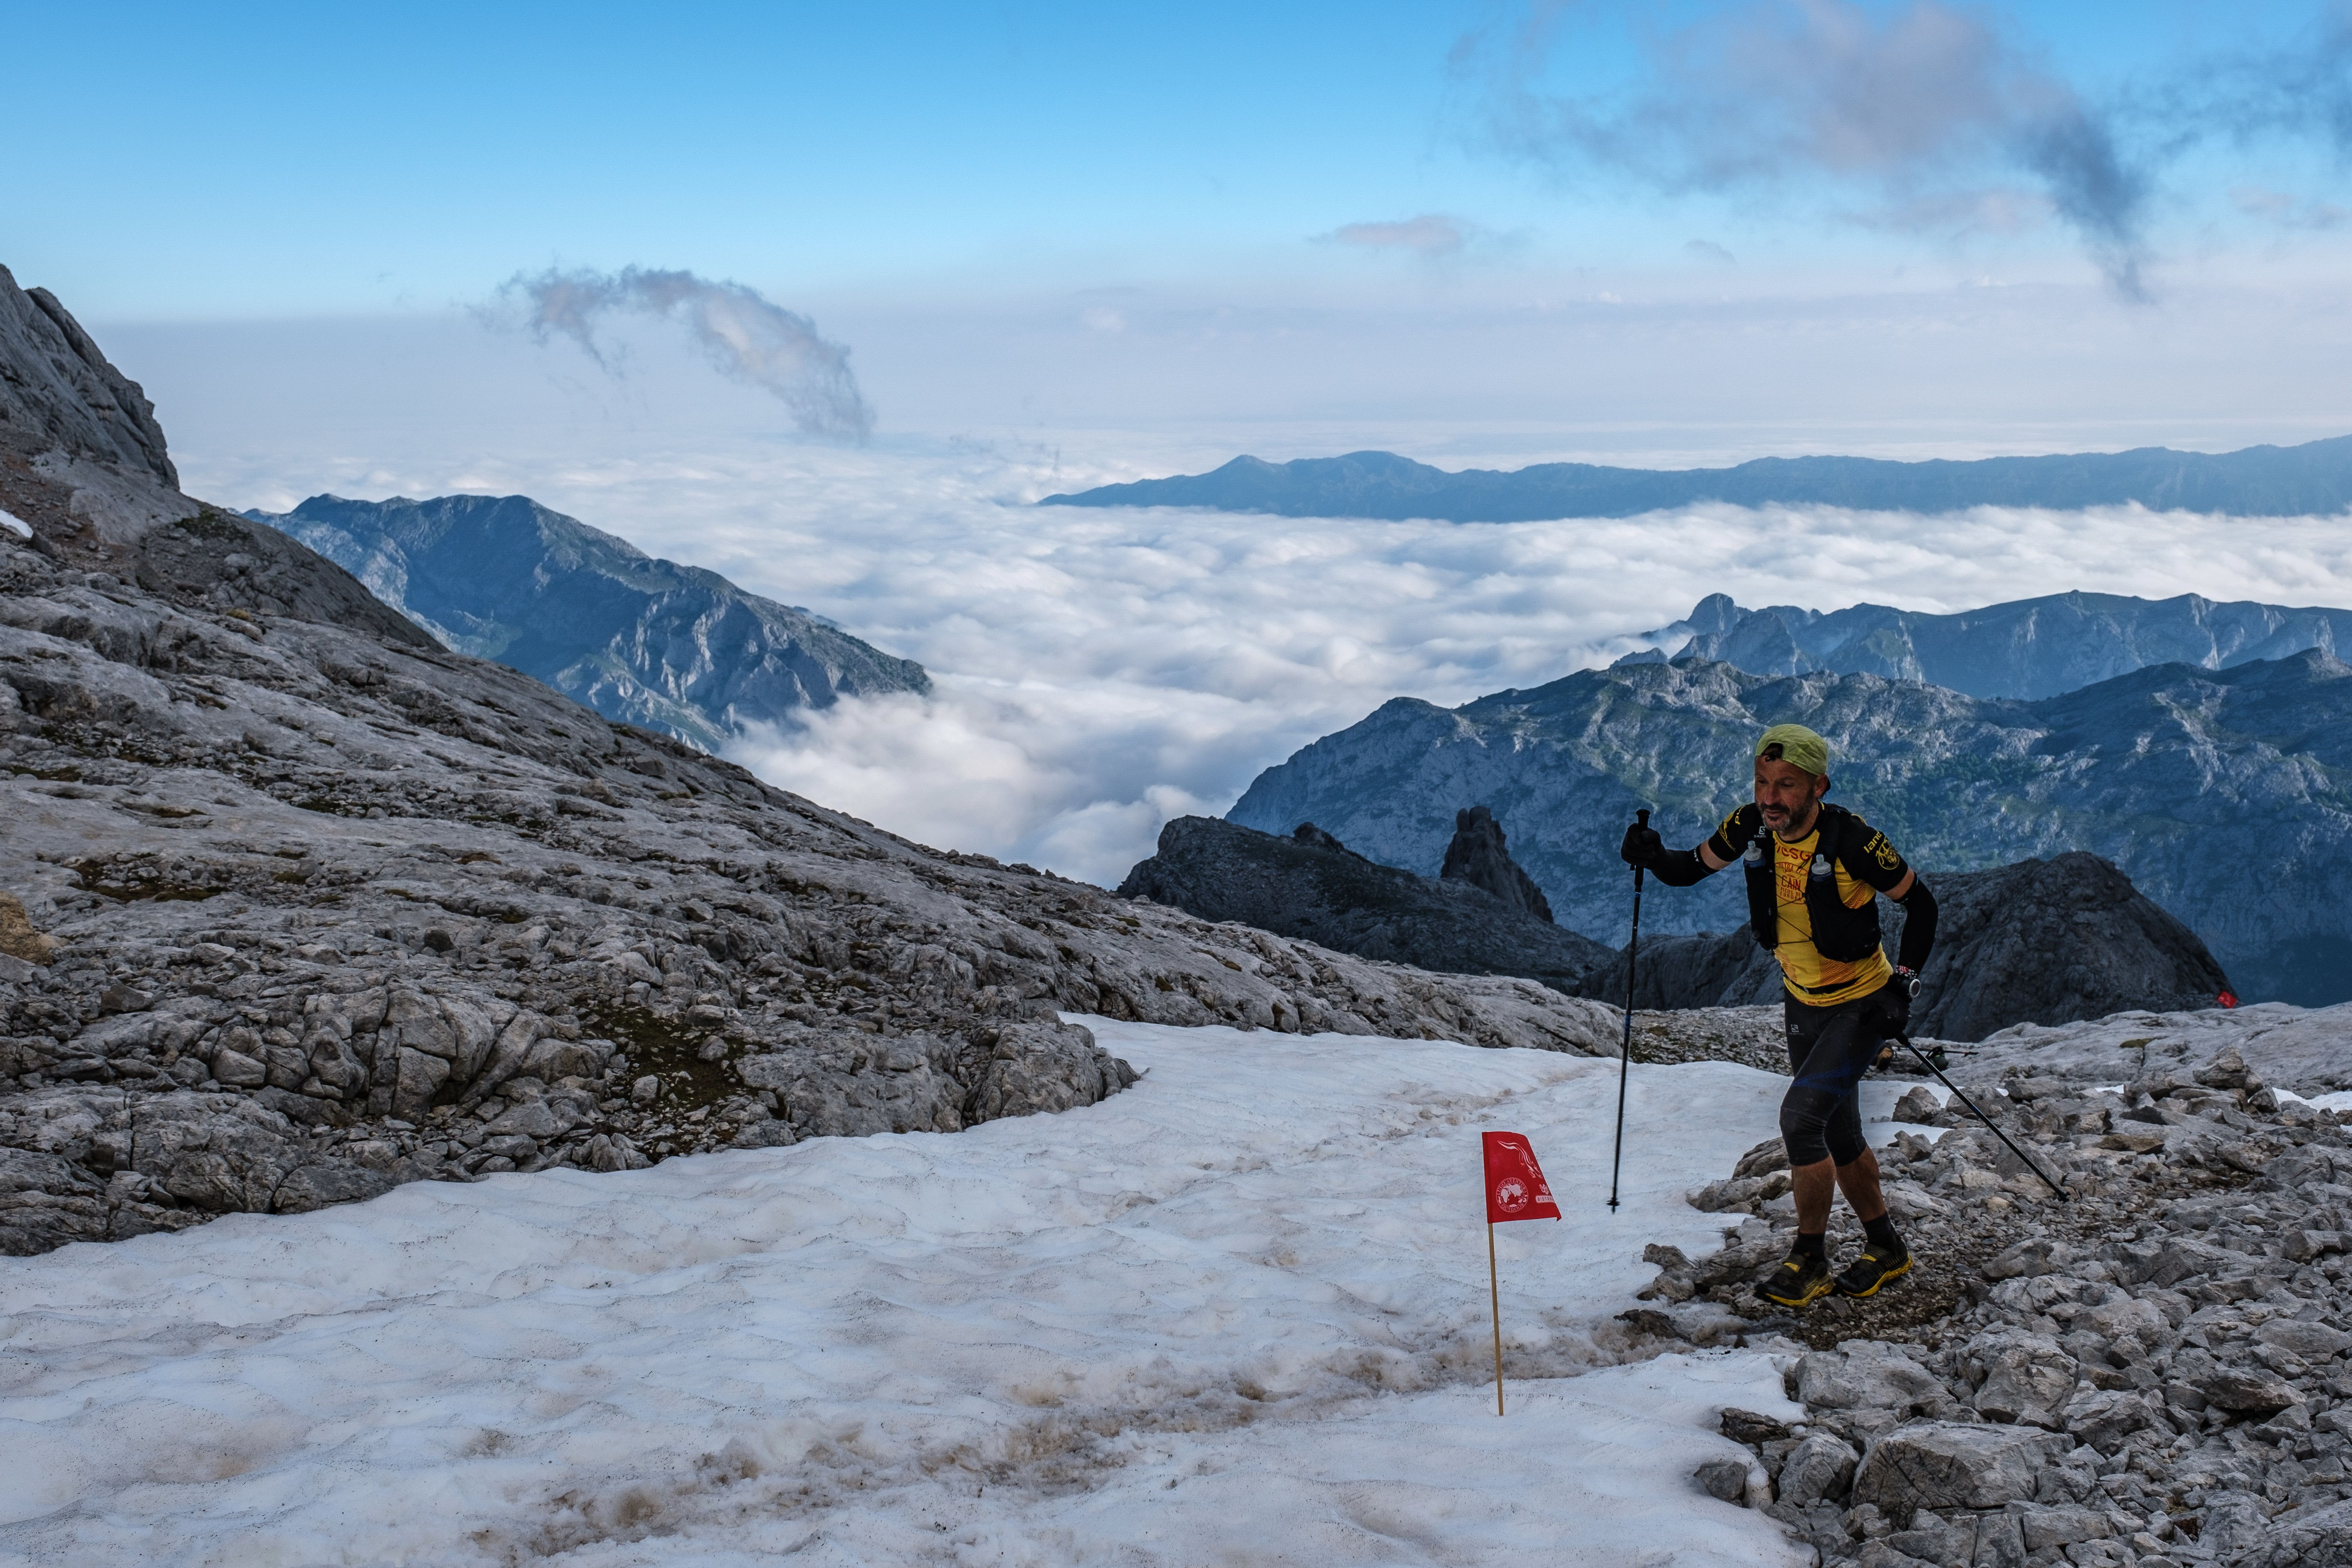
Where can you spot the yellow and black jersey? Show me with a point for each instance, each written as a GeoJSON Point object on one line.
{"type": "Point", "coordinates": [1814, 902]}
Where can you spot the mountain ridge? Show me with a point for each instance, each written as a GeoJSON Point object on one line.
{"type": "Point", "coordinates": [2314, 477]}
{"type": "Point", "coordinates": [2029, 648]}
{"type": "Point", "coordinates": [641, 639]}
{"type": "Point", "coordinates": [2224, 795]}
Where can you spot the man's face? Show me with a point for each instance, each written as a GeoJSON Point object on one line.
{"type": "Point", "coordinates": [1785, 793]}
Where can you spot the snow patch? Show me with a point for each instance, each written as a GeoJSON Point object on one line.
{"type": "Point", "coordinates": [1237, 1312]}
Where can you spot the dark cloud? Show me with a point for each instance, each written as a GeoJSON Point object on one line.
{"type": "Point", "coordinates": [746, 336]}
{"type": "Point", "coordinates": [1911, 109]}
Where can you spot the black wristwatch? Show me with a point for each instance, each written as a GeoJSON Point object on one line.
{"type": "Point", "coordinates": [1906, 979]}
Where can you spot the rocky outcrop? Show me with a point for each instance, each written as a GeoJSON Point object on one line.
{"type": "Point", "coordinates": [2042, 941]}
{"type": "Point", "coordinates": [641, 640]}
{"type": "Point", "coordinates": [2156, 1371]}
{"type": "Point", "coordinates": [83, 465]}
{"type": "Point", "coordinates": [1310, 886]}
{"type": "Point", "coordinates": [2207, 788]}
{"type": "Point", "coordinates": [1479, 856]}
{"type": "Point", "coordinates": [302, 905]}
{"type": "Point", "coordinates": [60, 395]}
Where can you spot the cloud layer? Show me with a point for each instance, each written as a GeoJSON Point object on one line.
{"type": "Point", "coordinates": [1100, 671]}
{"type": "Point", "coordinates": [743, 335]}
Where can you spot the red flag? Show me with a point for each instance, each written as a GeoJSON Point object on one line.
{"type": "Point", "coordinates": [1516, 1189]}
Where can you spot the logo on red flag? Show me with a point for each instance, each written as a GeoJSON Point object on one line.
{"type": "Point", "coordinates": [1516, 1189]}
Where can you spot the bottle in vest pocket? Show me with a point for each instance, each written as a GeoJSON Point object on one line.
{"type": "Point", "coordinates": [1755, 856]}
{"type": "Point", "coordinates": [1821, 867]}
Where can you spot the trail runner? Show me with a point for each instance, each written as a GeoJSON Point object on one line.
{"type": "Point", "coordinates": [1814, 873]}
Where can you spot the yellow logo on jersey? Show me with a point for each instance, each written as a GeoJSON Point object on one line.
{"type": "Point", "coordinates": [1881, 851]}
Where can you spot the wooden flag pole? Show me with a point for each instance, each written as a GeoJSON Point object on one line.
{"type": "Point", "coordinates": [1495, 1295]}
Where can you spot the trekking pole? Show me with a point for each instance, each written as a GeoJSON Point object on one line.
{"type": "Point", "coordinates": [2063, 1196]}
{"type": "Point", "coordinates": [1625, 1058]}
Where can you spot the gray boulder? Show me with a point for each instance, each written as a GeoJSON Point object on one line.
{"type": "Point", "coordinates": [1819, 1469]}
{"type": "Point", "coordinates": [1941, 1465]}
{"type": "Point", "coordinates": [1866, 1375]}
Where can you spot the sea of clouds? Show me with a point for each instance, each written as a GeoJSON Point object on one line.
{"type": "Point", "coordinates": [1099, 671]}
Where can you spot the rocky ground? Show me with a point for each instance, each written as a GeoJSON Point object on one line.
{"type": "Point", "coordinates": [2151, 1370]}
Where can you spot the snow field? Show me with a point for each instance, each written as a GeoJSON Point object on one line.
{"type": "Point", "coordinates": [1238, 1314]}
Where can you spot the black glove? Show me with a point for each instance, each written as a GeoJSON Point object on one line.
{"type": "Point", "coordinates": [1895, 1004]}
{"type": "Point", "coordinates": [1643, 847]}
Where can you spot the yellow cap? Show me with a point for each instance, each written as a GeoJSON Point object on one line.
{"type": "Point", "coordinates": [1799, 748]}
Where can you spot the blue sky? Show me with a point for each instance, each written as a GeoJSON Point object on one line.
{"type": "Point", "coordinates": [194, 161]}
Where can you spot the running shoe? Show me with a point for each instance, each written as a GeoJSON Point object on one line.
{"type": "Point", "coordinates": [1795, 1280]}
{"type": "Point", "coordinates": [1874, 1268]}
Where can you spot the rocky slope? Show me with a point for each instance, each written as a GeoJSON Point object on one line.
{"type": "Point", "coordinates": [2153, 1371]}
{"type": "Point", "coordinates": [2224, 795]}
{"type": "Point", "coordinates": [2275, 482]}
{"type": "Point", "coordinates": [301, 904]}
{"type": "Point", "coordinates": [2029, 649]}
{"type": "Point", "coordinates": [2042, 941]}
{"type": "Point", "coordinates": [1312, 886]}
{"type": "Point", "coordinates": [639, 639]}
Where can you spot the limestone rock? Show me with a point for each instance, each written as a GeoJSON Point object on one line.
{"type": "Point", "coordinates": [1939, 1465]}
{"type": "Point", "coordinates": [1865, 1375]}
{"type": "Point", "coordinates": [1821, 1468]}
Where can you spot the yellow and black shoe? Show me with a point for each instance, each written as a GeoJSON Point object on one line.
{"type": "Point", "coordinates": [1877, 1265]}
{"type": "Point", "coordinates": [1797, 1279]}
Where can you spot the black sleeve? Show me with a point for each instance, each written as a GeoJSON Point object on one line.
{"type": "Point", "coordinates": [1730, 841]}
{"type": "Point", "coordinates": [1680, 867]}
{"type": "Point", "coordinates": [1918, 926]}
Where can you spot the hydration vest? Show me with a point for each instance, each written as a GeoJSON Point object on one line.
{"type": "Point", "coordinates": [1840, 934]}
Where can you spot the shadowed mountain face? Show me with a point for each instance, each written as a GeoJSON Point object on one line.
{"type": "Point", "coordinates": [1310, 885]}
{"type": "Point", "coordinates": [2031, 648]}
{"type": "Point", "coordinates": [2266, 481]}
{"type": "Point", "coordinates": [2042, 941]}
{"type": "Point", "coordinates": [2225, 795]}
{"type": "Point", "coordinates": [639, 639]}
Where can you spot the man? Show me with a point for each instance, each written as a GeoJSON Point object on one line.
{"type": "Point", "coordinates": [1814, 873]}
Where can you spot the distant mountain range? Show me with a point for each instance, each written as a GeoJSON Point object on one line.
{"type": "Point", "coordinates": [2226, 796]}
{"type": "Point", "coordinates": [641, 640]}
{"type": "Point", "coordinates": [2260, 481]}
{"type": "Point", "coordinates": [2033, 648]}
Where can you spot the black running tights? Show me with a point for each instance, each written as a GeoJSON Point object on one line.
{"type": "Point", "coordinates": [1829, 1050]}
